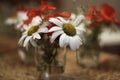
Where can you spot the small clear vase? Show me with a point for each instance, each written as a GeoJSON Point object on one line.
{"type": "Point", "coordinates": [88, 54]}
{"type": "Point", "coordinates": [50, 66]}
{"type": "Point", "coordinates": [50, 61]}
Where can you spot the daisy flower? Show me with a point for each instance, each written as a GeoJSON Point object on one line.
{"type": "Point", "coordinates": [21, 17]}
{"type": "Point", "coordinates": [69, 31]}
{"type": "Point", "coordinates": [18, 19]}
{"type": "Point", "coordinates": [32, 32]}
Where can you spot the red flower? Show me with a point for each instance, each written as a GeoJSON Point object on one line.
{"type": "Point", "coordinates": [108, 13]}
{"type": "Point", "coordinates": [45, 7]}
{"type": "Point", "coordinates": [102, 15]}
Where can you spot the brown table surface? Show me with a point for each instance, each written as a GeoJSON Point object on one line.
{"type": "Point", "coordinates": [12, 68]}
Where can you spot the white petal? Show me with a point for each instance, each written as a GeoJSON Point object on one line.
{"type": "Point", "coordinates": [82, 25]}
{"type": "Point", "coordinates": [62, 20]}
{"type": "Point", "coordinates": [25, 33]}
{"type": "Point", "coordinates": [21, 39]}
{"type": "Point", "coordinates": [22, 15]}
{"type": "Point", "coordinates": [75, 42]}
{"type": "Point", "coordinates": [26, 41]}
{"type": "Point", "coordinates": [55, 28]}
{"type": "Point", "coordinates": [78, 20]}
{"type": "Point", "coordinates": [80, 33]}
{"type": "Point", "coordinates": [73, 16]}
{"type": "Point", "coordinates": [72, 44]}
{"type": "Point", "coordinates": [56, 21]}
{"type": "Point", "coordinates": [55, 35]}
{"type": "Point", "coordinates": [42, 30]}
{"type": "Point", "coordinates": [63, 42]}
{"type": "Point", "coordinates": [33, 43]}
{"type": "Point", "coordinates": [80, 28]}
{"type": "Point", "coordinates": [27, 46]}
{"type": "Point", "coordinates": [45, 24]}
{"type": "Point", "coordinates": [25, 27]}
{"type": "Point", "coordinates": [36, 36]}
{"type": "Point", "coordinates": [36, 21]}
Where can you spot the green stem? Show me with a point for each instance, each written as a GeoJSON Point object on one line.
{"type": "Point", "coordinates": [64, 53]}
{"type": "Point", "coordinates": [77, 56]}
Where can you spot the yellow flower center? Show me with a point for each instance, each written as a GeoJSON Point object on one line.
{"type": "Point", "coordinates": [69, 29]}
{"type": "Point", "coordinates": [32, 30]}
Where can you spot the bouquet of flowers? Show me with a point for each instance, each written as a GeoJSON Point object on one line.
{"type": "Point", "coordinates": [47, 31]}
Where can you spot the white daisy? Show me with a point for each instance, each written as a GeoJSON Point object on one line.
{"type": "Point", "coordinates": [32, 32]}
{"type": "Point", "coordinates": [21, 17]}
{"type": "Point", "coordinates": [69, 32]}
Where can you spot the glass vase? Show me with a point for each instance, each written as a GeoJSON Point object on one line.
{"type": "Point", "coordinates": [88, 54]}
{"type": "Point", "coordinates": [50, 61]}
